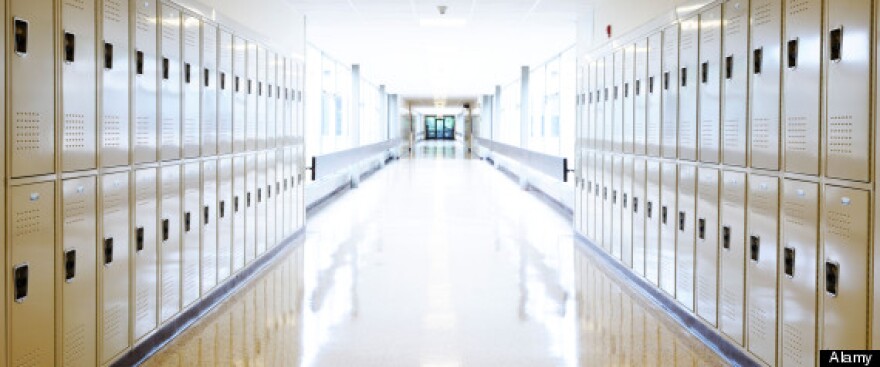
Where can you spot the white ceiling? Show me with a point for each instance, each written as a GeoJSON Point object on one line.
{"type": "Point", "coordinates": [387, 39]}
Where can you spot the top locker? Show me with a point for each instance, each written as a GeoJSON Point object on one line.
{"type": "Point", "coordinates": [78, 86]}
{"type": "Point", "coordinates": [170, 75]}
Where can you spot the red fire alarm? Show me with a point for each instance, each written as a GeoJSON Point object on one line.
{"type": "Point", "coordinates": [608, 30]}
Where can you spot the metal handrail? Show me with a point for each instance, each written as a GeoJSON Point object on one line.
{"type": "Point", "coordinates": [550, 165]}
{"type": "Point", "coordinates": [331, 163]}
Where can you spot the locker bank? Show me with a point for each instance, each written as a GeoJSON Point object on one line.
{"type": "Point", "coordinates": [438, 183]}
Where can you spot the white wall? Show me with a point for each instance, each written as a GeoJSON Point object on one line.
{"type": "Point", "coordinates": [624, 16]}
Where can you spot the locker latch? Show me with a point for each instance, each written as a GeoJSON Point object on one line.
{"type": "Point", "coordinates": [186, 221]}
{"type": "Point", "coordinates": [108, 55]}
{"type": "Point", "coordinates": [681, 221]}
{"type": "Point", "coordinates": [222, 209]}
{"type": "Point", "coordinates": [835, 42]}
{"type": "Point", "coordinates": [755, 247]}
{"type": "Point", "coordinates": [69, 265]}
{"type": "Point", "coordinates": [663, 215]}
{"type": "Point", "coordinates": [624, 200]}
{"type": "Point", "coordinates": [615, 92]}
{"type": "Point", "coordinates": [704, 72]}
{"type": "Point", "coordinates": [725, 237]}
{"type": "Point", "coordinates": [270, 88]}
{"type": "Point", "coordinates": [728, 67]}
{"type": "Point", "coordinates": [250, 86]}
{"type": "Point", "coordinates": [207, 80]}
{"type": "Point", "coordinates": [269, 191]}
{"type": "Point", "coordinates": [792, 50]}
{"type": "Point", "coordinates": [651, 84]}
{"type": "Point", "coordinates": [638, 87]}
{"type": "Point", "coordinates": [757, 60]}
{"type": "Point", "coordinates": [207, 213]}
{"type": "Point", "coordinates": [666, 80]}
{"type": "Point", "coordinates": [650, 210]}
{"type": "Point", "coordinates": [69, 47]}
{"type": "Point", "coordinates": [260, 89]}
{"type": "Point", "coordinates": [235, 204]}
{"type": "Point", "coordinates": [248, 200]}
{"type": "Point", "coordinates": [788, 261]}
{"type": "Point", "coordinates": [684, 77]}
{"type": "Point", "coordinates": [223, 81]}
{"type": "Point", "coordinates": [625, 90]}
{"type": "Point", "coordinates": [108, 251]}
{"type": "Point", "coordinates": [614, 197]}
{"type": "Point", "coordinates": [285, 184]}
{"type": "Point", "coordinates": [605, 193]}
{"type": "Point", "coordinates": [606, 94]}
{"type": "Point", "coordinates": [20, 281]}
{"type": "Point", "coordinates": [166, 229]}
{"type": "Point", "coordinates": [277, 187]}
{"type": "Point", "coordinates": [701, 228]}
{"type": "Point", "coordinates": [187, 73]}
{"type": "Point", "coordinates": [166, 68]}
{"type": "Point", "coordinates": [635, 205]}
{"type": "Point", "coordinates": [237, 84]}
{"type": "Point", "coordinates": [139, 62]}
{"type": "Point", "coordinates": [259, 195]}
{"type": "Point", "coordinates": [832, 275]}
{"type": "Point", "coordinates": [139, 239]}
{"type": "Point", "coordinates": [21, 37]}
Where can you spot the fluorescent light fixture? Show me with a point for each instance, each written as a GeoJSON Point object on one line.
{"type": "Point", "coordinates": [443, 22]}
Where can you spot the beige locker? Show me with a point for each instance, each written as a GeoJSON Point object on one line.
{"type": "Point", "coordinates": [208, 214]}
{"type": "Point", "coordinates": [273, 190]}
{"type": "Point", "coordinates": [272, 94]}
{"type": "Point", "coordinates": [31, 74]}
{"type": "Point", "coordinates": [31, 313]}
{"type": "Point", "coordinates": [617, 102]}
{"type": "Point", "coordinates": [707, 247]}
{"type": "Point", "coordinates": [848, 98]}
{"type": "Point", "coordinates": [170, 82]}
{"type": "Point", "coordinates": [193, 85]}
{"type": "Point", "coordinates": [260, 205]}
{"type": "Point", "coordinates": [734, 88]}
{"type": "Point", "coordinates": [654, 107]}
{"type": "Point", "coordinates": [240, 96]}
{"type": "Point", "coordinates": [688, 61]}
{"type": "Point", "coordinates": [668, 79]}
{"type": "Point", "coordinates": [601, 96]}
{"type": "Point", "coordinates": [629, 67]}
{"type": "Point", "coordinates": [617, 207]}
{"type": "Point", "coordinates": [224, 218]}
{"type": "Point", "coordinates": [801, 90]}
{"type": "Point", "coordinates": [114, 275]}
{"type": "Point", "coordinates": [78, 86]}
{"type": "Point", "coordinates": [844, 271]}
{"type": "Point", "coordinates": [145, 295]}
{"type": "Point", "coordinates": [710, 90]}
{"type": "Point", "coordinates": [668, 225]}
{"type": "Point", "coordinates": [169, 242]}
{"type": "Point", "coordinates": [146, 83]}
{"type": "Point", "coordinates": [115, 90]}
{"type": "Point", "coordinates": [262, 97]}
{"type": "Point", "coordinates": [764, 101]}
{"type": "Point", "coordinates": [626, 212]}
{"type": "Point", "coordinates": [652, 221]}
{"type": "Point", "coordinates": [238, 213]}
{"type": "Point", "coordinates": [209, 97]}
{"type": "Point", "coordinates": [639, 220]}
{"type": "Point", "coordinates": [761, 268]}
{"type": "Point", "coordinates": [607, 199]}
{"type": "Point", "coordinates": [250, 208]}
{"type": "Point", "coordinates": [225, 92]}
{"type": "Point", "coordinates": [191, 223]}
{"type": "Point", "coordinates": [797, 280]}
{"type": "Point", "coordinates": [640, 91]}
{"type": "Point", "coordinates": [251, 98]}
{"type": "Point", "coordinates": [76, 275]}
{"type": "Point", "coordinates": [731, 296]}
{"type": "Point", "coordinates": [684, 245]}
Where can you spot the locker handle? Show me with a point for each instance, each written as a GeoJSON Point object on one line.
{"type": "Point", "coordinates": [728, 67]}
{"type": "Point", "coordinates": [250, 86]}
{"type": "Point", "coordinates": [166, 68]}
{"type": "Point", "coordinates": [207, 213]}
{"type": "Point", "coordinates": [139, 239]}
{"type": "Point", "coordinates": [259, 195]}
{"type": "Point", "coordinates": [832, 275]}
{"type": "Point", "coordinates": [615, 92]}
{"type": "Point", "coordinates": [139, 62]}
{"type": "Point", "coordinates": [248, 200]}
{"type": "Point", "coordinates": [725, 237]}
{"type": "Point", "coordinates": [758, 60]}
{"type": "Point", "coordinates": [21, 38]}
{"type": "Point", "coordinates": [222, 209]}
{"type": "Point", "coordinates": [663, 214]}
{"type": "Point", "coordinates": [755, 247]}
{"type": "Point", "coordinates": [166, 229]}
{"type": "Point", "coordinates": [20, 281]}
{"type": "Point", "coordinates": [704, 72]}
{"type": "Point", "coordinates": [635, 205]}
{"type": "Point", "coordinates": [666, 80]}
{"type": "Point", "coordinates": [788, 260]}
{"type": "Point", "coordinates": [108, 251]}
{"type": "Point", "coordinates": [591, 98]}
{"type": "Point", "coordinates": [235, 204]}
{"type": "Point", "coordinates": [835, 40]}
{"type": "Point", "coordinates": [651, 85]}
{"type": "Point", "coordinates": [277, 187]}
{"type": "Point", "coordinates": [269, 191]}
{"type": "Point", "coordinates": [605, 193]}
{"type": "Point", "coordinates": [269, 88]}
{"type": "Point", "coordinates": [614, 197]}
{"type": "Point", "coordinates": [684, 77]}
{"type": "Point", "coordinates": [701, 228]}
{"type": "Point", "coordinates": [186, 221]}
{"type": "Point", "coordinates": [237, 84]}
{"type": "Point", "coordinates": [207, 77]}
{"type": "Point", "coordinates": [792, 50]}
{"type": "Point", "coordinates": [69, 265]}
{"type": "Point", "coordinates": [285, 184]}
{"type": "Point", "coordinates": [606, 94]}
{"type": "Point", "coordinates": [187, 73]}
{"type": "Point", "coordinates": [260, 89]}
{"type": "Point", "coordinates": [638, 87]}
{"type": "Point", "coordinates": [222, 81]}
{"type": "Point", "coordinates": [650, 210]}
{"type": "Point", "coordinates": [681, 221]}
{"type": "Point", "coordinates": [624, 200]}
{"type": "Point", "coordinates": [625, 90]}
{"type": "Point", "coordinates": [108, 56]}
{"type": "Point", "coordinates": [69, 47]}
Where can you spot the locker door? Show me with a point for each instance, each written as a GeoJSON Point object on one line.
{"type": "Point", "coordinates": [687, 88]}
{"type": "Point", "coordinates": [601, 99]}
{"type": "Point", "coordinates": [844, 271]}
{"type": "Point", "coordinates": [707, 246]}
{"type": "Point", "coordinates": [802, 62]}
{"type": "Point", "coordinates": [224, 218]}
{"type": "Point", "coordinates": [31, 304]}
{"type": "Point", "coordinates": [251, 101]}
{"type": "Point", "coordinates": [763, 246]}
{"type": "Point", "coordinates": [115, 91]}
{"type": "Point", "coordinates": [77, 279]}
{"type": "Point", "coordinates": [668, 226]}
{"type": "Point", "coordinates": [734, 88]}
{"type": "Point", "coordinates": [617, 96]}
{"type": "Point", "coordinates": [209, 73]}
{"type": "Point", "coordinates": [592, 100]}
{"type": "Point", "coordinates": [170, 72]}
{"type": "Point", "coordinates": [146, 85]}
{"type": "Point", "coordinates": [629, 68]}
{"type": "Point", "coordinates": [271, 97]}
{"type": "Point", "coordinates": [240, 96]}
{"type": "Point", "coordinates": [169, 239]}
{"type": "Point", "coordinates": [592, 190]}
{"type": "Point", "coordinates": [288, 102]}
{"type": "Point", "coordinates": [238, 210]}
{"type": "Point", "coordinates": [669, 91]}
{"type": "Point", "coordinates": [114, 274]}
{"type": "Point", "coordinates": [78, 86]}
{"type": "Point", "coordinates": [146, 253]}
{"type": "Point", "coordinates": [652, 222]}
{"type": "Point", "coordinates": [616, 206]}
{"type": "Point", "coordinates": [262, 94]}
{"type": "Point", "coordinates": [765, 94]}
{"type": "Point", "coordinates": [607, 208]}
{"type": "Point", "coordinates": [639, 204]}
{"type": "Point", "coordinates": [225, 95]}
{"type": "Point", "coordinates": [654, 108]}
{"type": "Point", "coordinates": [191, 232]}
{"type": "Point", "coordinates": [800, 241]}
{"type": "Point", "coordinates": [250, 208]}
{"type": "Point", "coordinates": [641, 102]}
{"type": "Point", "coordinates": [710, 90]}
{"type": "Point", "coordinates": [289, 191]}
{"type": "Point", "coordinates": [272, 192]}
{"type": "Point", "coordinates": [209, 226]}
{"type": "Point", "coordinates": [193, 82]}
{"type": "Point", "coordinates": [31, 75]}
{"type": "Point", "coordinates": [732, 255]}
{"type": "Point", "coordinates": [626, 211]}
{"type": "Point", "coordinates": [260, 204]}
{"type": "Point", "coordinates": [685, 224]}
{"type": "Point", "coordinates": [848, 125]}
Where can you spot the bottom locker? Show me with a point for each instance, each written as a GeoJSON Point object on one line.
{"type": "Point", "coordinates": [706, 246]}
{"type": "Point", "coordinates": [271, 195]}
{"type": "Point", "coordinates": [590, 200]}
{"type": "Point", "coordinates": [652, 222]}
{"type": "Point", "coordinates": [298, 201]}
{"type": "Point", "coordinates": [763, 246]}
{"type": "Point", "coordinates": [78, 278]}
{"type": "Point", "coordinates": [626, 212]}
{"type": "Point", "coordinates": [797, 281]}
{"type": "Point", "coordinates": [617, 207]}
{"type": "Point", "coordinates": [31, 328]}
{"type": "Point", "coordinates": [607, 207]}
{"type": "Point", "coordinates": [191, 227]}
{"type": "Point", "coordinates": [668, 226]}
{"type": "Point", "coordinates": [639, 220]}
{"type": "Point", "coordinates": [208, 260]}
{"type": "Point", "coordinates": [260, 205]}
{"type": "Point", "coordinates": [116, 240]}
{"type": "Point", "coordinates": [250, 208]}
{"type": "Point", "coordinates": [684, 248]}
{"type": "Point", "coordinates": [169, 243]}
{"type": "Point", "coordinates": [732, 256]}
{"type": "Point", "coordinates": [146, 254]}
{"type": "Point", "coordinates": [282, 188]}
{"type": "Point", "coordinates": [586, 192]}
{"type": "Point", "coordinates": [844, 276]}
{"type": "Point", "coordinates": [238, 213]}
{"type": "Point", "coordinates": [289, 192]}
{"type": "Point", "coordinates": [224, 218]}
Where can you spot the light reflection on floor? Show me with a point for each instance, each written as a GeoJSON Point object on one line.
{"type": "Point", "coordinates": [436, 262]}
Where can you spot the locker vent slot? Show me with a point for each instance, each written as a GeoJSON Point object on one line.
{"type": "Point", "coordinates": [187, 221]}
{"type": "Point", "coordinates": [207, 214]}
{"type": "Point", "coordinates": [792, 50]}
{"type": "Point", "coordinates": [666, 80]}
{"type": "Point", "coordinates": [704, 72]}
{"type": "Point", "coordinates": [108, 56]}
{"type": "Point", "coordinates": [21, 36]}
{"type": "Point", "coordinates": [27, 131]}
{"type": "Point", "coordinates": [758, 60]}
{"type": "Point", "coordinates": [69, 265]}
{"type": "Point", "coordinates": [684, 77]}
{"type": "Point", "coordinates": [166, 228]}
{"type": "Point", "coordinates": [835, 42]}
{"type": "Point", "coordinates": [728, 67]}
{"type": "Point", "coordinates": [832, 275]}
{"type": "Point", "coordinates": [650, 210]}
{"type": "Point", "coordinates": [139, 239]}
{"type": "Point", "coordinates": [222, 209]}
{"type": "Point", "coordinates": [166, 68]}
{"type": "Point", "coordinates": [789, 262]}
{"type": "Point", "coordinates": [725, 237]}
{"type": "Point", "coordinates": [69, 47]}
{"type": "Point", "coordinates": [108, 251]}
{"type": "Point", "coordinates": [681, 221]}
{"type": "Point", "coordinates": [187, 73]}
{"type": "Point", "coordinates": [663, 215]}
{"type": "Point", "coordinates": [20, 281]}
{"type": "Point", "coordinates": [635, 205]}
{"type": "Point", "coordinates": [701, 228]}
{"type": "Point", "coordinates": [755, 248]}
{"type": "Point", "coordinates": [139, 62]}
{"type": "Point", "coordinates": [74, 131]}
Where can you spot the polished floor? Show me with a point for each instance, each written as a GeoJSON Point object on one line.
{"type": "Point", "coordinates": [437, 261]}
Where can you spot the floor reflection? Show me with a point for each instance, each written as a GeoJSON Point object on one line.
{"type": "Point", "coordinates": [440, 149]}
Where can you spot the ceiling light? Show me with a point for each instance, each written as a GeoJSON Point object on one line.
{"type": "Point", "coordinates": [443, 22]}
